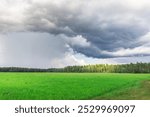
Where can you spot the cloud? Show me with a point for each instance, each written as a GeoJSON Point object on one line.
{"type": "Point", "coordinates": [106, 25]}
{"type": "Point", "coordinates": [97, 29]}
{"type": "Point", "coordinates": [76, 41]}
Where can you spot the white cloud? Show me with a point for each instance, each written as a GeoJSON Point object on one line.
{"type": "Point", "coordinates": [67, 60]}
{"type": "Point", "coordinates": [77, 41]}
{"type": "Point", "coordinates": [138, 51]}
{"type": "Point", "coordinates": [145, 39]}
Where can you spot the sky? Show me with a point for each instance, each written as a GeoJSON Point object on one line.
{"type": "Point", "coordinates": [59, 33]}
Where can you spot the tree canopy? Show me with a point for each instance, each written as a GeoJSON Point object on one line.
{"type": "Point", "coordinates": [99, 68]}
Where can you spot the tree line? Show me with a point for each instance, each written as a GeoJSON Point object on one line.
{"type": "Point", "coordinates": [98, 68]}
{"type": "Point", "coordinates": [105, 68]}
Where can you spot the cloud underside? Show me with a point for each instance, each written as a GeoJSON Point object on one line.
{"type": "Point", "coordinates": [98, 29]}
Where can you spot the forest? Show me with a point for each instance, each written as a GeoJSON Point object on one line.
{"type": "Point", "coordinates": [98, 68]}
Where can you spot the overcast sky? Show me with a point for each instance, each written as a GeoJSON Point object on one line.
{"type": "Point", "coordinates": [58, 33]}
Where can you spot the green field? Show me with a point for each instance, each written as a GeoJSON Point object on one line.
{"type": "Point", "coordinates": [56, 86]}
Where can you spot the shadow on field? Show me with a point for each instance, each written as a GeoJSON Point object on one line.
{"type": "Point", "coordinates": [140, 92]}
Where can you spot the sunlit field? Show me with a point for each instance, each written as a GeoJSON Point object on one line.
{"type": "Point", "coordinates": [73, 86]}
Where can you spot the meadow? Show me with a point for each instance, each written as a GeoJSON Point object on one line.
{"type": "Point", "coordinates": [73, 86]}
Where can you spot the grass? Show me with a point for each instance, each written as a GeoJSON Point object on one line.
{"type": "Point", "coordinates": [70, 86]}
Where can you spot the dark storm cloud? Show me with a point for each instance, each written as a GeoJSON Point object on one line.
{"type": "Point", "coordinates": [110, 28]}
{"type": "Point", "coordinates": [106, 28]}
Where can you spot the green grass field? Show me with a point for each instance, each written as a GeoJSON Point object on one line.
{"type": "Point", "coordinates": [56, 86]}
